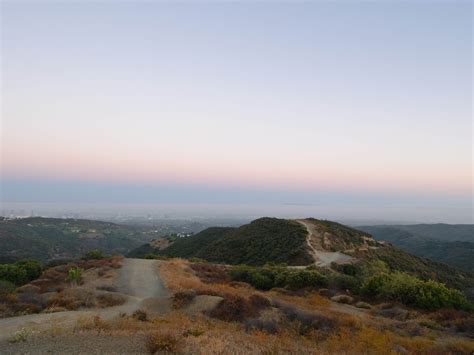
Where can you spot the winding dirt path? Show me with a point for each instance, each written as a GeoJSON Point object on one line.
{"type": "Point", "coordinates": [322, 258]}
{"type": "Point", "coordinates": [138, 280]}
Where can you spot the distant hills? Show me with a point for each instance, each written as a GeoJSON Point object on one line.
{"type": "Point", "coordinates": [46, 239]}
{"type": "Point", "coordinates": [272, 240]}
{"type": "Point", "coordinates": [265, 240]}
{"type": "Point", "coordinates": [450, 244]}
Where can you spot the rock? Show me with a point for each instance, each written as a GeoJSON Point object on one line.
{"type": "Point", "coordinates": [342, 299]}
{"type": "Point", "coordinates": [363, 305]}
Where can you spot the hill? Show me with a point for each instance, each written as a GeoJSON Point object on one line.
{"type": "Point", "coordinates": [50, 238]}
{"type": "Point", "coordinates": [302, 243]}
{"type": "Point", "coordinates": [449, 244]}
{"type": "Point", "coordinates": [438, 231]}
{"type": "Point", "coordinates": [261, 241]}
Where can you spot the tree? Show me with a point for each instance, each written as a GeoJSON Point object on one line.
{"type": "Point", "coordinates": [94, 255]}
{"type": "Point", "coordinates": [32, 267]}
{"type": "Point", "coordinates": [13, 274]}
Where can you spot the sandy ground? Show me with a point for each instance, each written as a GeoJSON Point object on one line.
{"type": "Point", "coordinates": [138, 280]}
{"type": "Point", "coordinates": [322, 258]}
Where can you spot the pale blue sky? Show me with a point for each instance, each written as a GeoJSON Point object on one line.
{"type": "Point", "coordinates": [298, 101]}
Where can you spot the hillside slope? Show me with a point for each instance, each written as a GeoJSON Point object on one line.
{"type": "Point", "coordinates": [272, 240]}
{"type": "Point", "coordinates": [449, 244]}
{"type": "Point", "coordinates": [261, 241]}
{"type": "Point", "coordinates": [50, 238]}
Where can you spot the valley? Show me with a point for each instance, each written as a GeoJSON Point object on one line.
{"type": "Point", "coordinates": [449, 244]}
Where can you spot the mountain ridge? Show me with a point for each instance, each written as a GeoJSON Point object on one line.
{"type": "Point", "coordinates": [260, 244]}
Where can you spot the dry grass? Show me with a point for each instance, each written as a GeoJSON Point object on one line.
{"type": "Point", "coordinates": [178, 275]}
{"type": "Point", "coordinates": [310, 301]}
{"type": "Point", "coordinates": [211, 273]}
{"type": "Point", "coordinates": [309, 324]}
{"type": "Point", "coordinates": [183, 298]}
{"type": "Point", "coordinates": [140, 315]}
{"type": "Point", "coordinates": [72, 299]}
{"type": "Point", "coordinates": [51, 292]}
{"type": "Point", "coordinates": [110, 300]}
{"type": "Point", "coordinates": [234, 308]}
{"type": "Point", "coordinates": [162, 341]}
{"type": "Point", "coordinates": [96, 323]}
{"type": "Point", "coordinates": [202, 335]}
{"type": "Point", "coordinates": [317, 326]}
{"type": "Point", "coordinates": [197, 335]}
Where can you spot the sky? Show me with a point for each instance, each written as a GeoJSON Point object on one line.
{"type": "Point", "coordinates": [361, 105]}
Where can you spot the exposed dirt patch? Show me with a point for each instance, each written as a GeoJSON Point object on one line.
{"type": "Point", "coordinates": [315, 241]}
{"type": "Point", "coordinates": [137, 282]}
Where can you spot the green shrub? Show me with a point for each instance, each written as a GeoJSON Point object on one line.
{"type": "Point", "coordinates": [305, 278]}
{"type": "Point", "coordinates": [241, 273]}
{"type": "Point", "coordinates": [349, 269]}
{"type": "Point", "coordinates": [345, 282]}
{"type": "Point", "coordinates": [13, 274]}
{"type": "Point", "coordinates": [270, 276]}
{"type": "Point", "coordinates": [261, 281]}
{"type": "Point", "coordinates": [94, 255]}
{"type": "Point", "coordinates": [373, 268]}
{"type": "Point", "coordinates": [32, 267]}
{"type": "Point", "coordinates": [373, 286]}
{"type": "Point", "coordinates": [411, 291]}
{"type": "Point", "coordinates": [6, 287]}
{"type": "Point", "coordinates": [74, 274]}
{"type": "Point", "coordinates": [434, 295]}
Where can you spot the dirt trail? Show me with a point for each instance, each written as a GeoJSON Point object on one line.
{"type": "Point", "coordinates": [322, 258]}
{"type": "Point", "coordinates": [138, 280]}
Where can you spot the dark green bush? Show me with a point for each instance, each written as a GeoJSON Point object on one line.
{"type": "Point", "coordinates": [344, 282]}
{"type": "Point", "coordinates": [261, 281]}
{"type": "Point", "coordinates": [13, 274]}
{"type": "Point", "coordinates": [305, 278]}
{"type": "Point", "coordinates": [32, 267]}
{"type": "Point", "coordinates": [241, 273]}
{"type": "Point", "coordinates": [94, 255]}
{"type": "Point", "coordinates": [411, 291]}
{"type": "Point", "coordinates": [6, 287]}
{"type": "Point", "coordinates": [270, 276]}
{"type": "Point", "coordinates": [349, 269]}
{"type": "Point", "coordinates": [373, 286]}
{"type": "Point", "coordinates": [433, 295]}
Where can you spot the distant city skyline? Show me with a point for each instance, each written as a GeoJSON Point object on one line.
{"type": "Point", "coordinates": [357, 107]}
